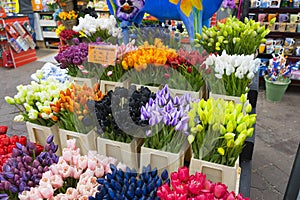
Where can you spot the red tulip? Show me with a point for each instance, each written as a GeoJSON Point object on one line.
{"type": "Point", "coordinates": [3, 129]}
{"type": "Point", "coordinates": [174, 175]}
{"type": "Point", "coordinates": [22, 140]}
{"type": "Point", "coordinates": [183, 174]}
{"type": "Point", "coordinates": [208, 187]}
{"type": "Point", "coordinates": [181, 188]}
{"type": "Point", "coordinates": [14, 139]}
{"type": "Point", "coordinates": [220, 190]}
{"type": "Point", "coordinates": [195, 186]}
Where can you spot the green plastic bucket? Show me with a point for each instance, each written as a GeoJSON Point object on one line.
{"type": "Point", "coordinates": [275, 90]}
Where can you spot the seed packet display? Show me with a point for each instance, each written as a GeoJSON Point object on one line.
{"type": "Point", "coordinates": [11, 31]}
{"type": "Point", "coordinates": [13, 43]}
{"type": "Point", "coordinates": [22, 43]}
{"type": "Point", "coordinates": [28, 28]}
{"type": "Point", "coordinates": [29, 41]}
{"type": "Point", "coordinates": [19, 28]}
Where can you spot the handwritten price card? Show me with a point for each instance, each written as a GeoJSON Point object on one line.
{"type": "Point", "coordinates": [101, 54]}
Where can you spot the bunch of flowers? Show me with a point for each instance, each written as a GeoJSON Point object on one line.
{"type": "Point", "coordinates": [129, 185]}
{"type": "Point", "coordinates": [187, 187]}
{"type": "Point", "coordinates": [93, 28]}
{"type": "Point", "coordinates": [234, 36]}
{"type": "Point", "coordinates": [235, 71]}
{"type": "Point", "coordinates": [68, 15]}
{"type": "Point", "coordinates": [59, 29]}
{"type": "Point", "coordinates": [168, 120]}
{"type": "Point", "coordinates": [68, 34]}
{"type": "Point", "coordinates": [33, 101]}
{"type": "Point", "coordinates": [219, 129]}
{"type": "Point", "coordinates": [119, 112]}
{"type": "Point", "coordinates": [278, 70]}
{"type": "Point", "coordinates": [72, 109]}
{"type": "Point", "coordinates": [72, 177]}
{"type": "Point", "coordinates": [25, 167]}
{"type": "Point", "coordinates": [228, 4]}
{"type": "Point", "coordinates": [52, 5]}
{"type": "Point", "coordinates": [8, 144]}
{"type": "Point", "coordinates": [50, 70]}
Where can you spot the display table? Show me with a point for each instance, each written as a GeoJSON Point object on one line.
{"type": "Point", "coordinates": [10, 57]}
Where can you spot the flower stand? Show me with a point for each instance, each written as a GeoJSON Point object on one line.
{"type": "Point", "coordinates": [38, 134]}
{"type": "Point", "coordinates": [197, 95]}
{"type": "Point", "coordinates": [127, 153]}
{"type": "Point", "coordinates": [163, 159]}
{"type": "Point", "coordinates": [151, 88]}
{"type": "Point", "coordinates": [67, 5]}
{"type": "Point", "coordinates": [276, 90]}
{"type": "Point", "coordinates": [85, 142]}
{"type": "Point", "coordinates": [90, 82]}
{"type": "Point", "coordinates": [218, 173]}
{"type": "Point", "coordinates": [106, 86]}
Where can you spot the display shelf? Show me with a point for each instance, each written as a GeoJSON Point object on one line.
{"type": "Point", "coordinates": [49, 34]}
{"type": "Point", "coordinates": [274, 10]}
{"type": "Point", "coordinates": [265, 55]}
{"type": "Point", "coordinates": [283, 34]}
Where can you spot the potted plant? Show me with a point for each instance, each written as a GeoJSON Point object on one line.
{"type": "Point", "coordinates": [218, 130]}
{"type": "Point", "coordinates": [166, 137]}
{"type": "Point", "coordinates": [33, 101]}
{"type": "Point", "coordinates": [76, 115]}
{"type": "Point", "coordinates": [278, 78]}
{"type": "Point", "coordinates": [230, 75]}
{"type": "Point", "coordinates": [120, 126]}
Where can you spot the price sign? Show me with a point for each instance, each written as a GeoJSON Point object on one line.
{"type": "Point", "coordinates": [101, 54]}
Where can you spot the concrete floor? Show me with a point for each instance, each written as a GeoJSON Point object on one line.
{"type": "Point", "coordinates": [277, 130]}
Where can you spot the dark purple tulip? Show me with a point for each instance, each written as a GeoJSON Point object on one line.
{"type": "Point", "coordinates": [20, 165]}
{"type": "Point", "coordinates": [22, 186]}
{"type": "Point", "coordinates": [16, 177]}
{"type": "Point", "coordinates": [30, 183]}
{"type": "Point", "coordinates": [13, 189]}
{"type": "Point", "coordinates": [35, 171]}
{"type": "Point", "coordinates": [47, 147]}
{"type": "Point", "coordinates": [55, 148]}
{"type": "Point", "coordinates": [25, 176]}
{"type": "Point", "coordinates": [19, 159]}
{"type": "Point", "coordinates": [27, 159]}
{"type": "Point", "coordinates": [35, 164]}
{"type": "Point", "coordinates": [16, 171]}
{"type": "Point", "coordinates": [50, 139]}
{"type": "Point", "coordinates": [9, 175]}
{"type": "Point", "coordinates": [31, 146]}
{"type": "Point", "coordinates": [42, 155]}
{"type": "Point", "coordinates": [40, 169]}
{"type": "Point", "coordinates": [28, 173]}
{"type": "Point", "coordinates": [17, 183]}
{"type": "Point", "coordinates": [44, 162]}
{"type": "Point", "coordinates": [6, 185]}
{"type": "Point", "coordinates": [76, 41]}
{"type": "Point", "coordinates": [6, 168]}
{"type": "Point", "coordinates": [1, 178]}
{"type": "Point", "coordinates": [15, 152]}
{"type": "Point", "coordinates": [25, 150]}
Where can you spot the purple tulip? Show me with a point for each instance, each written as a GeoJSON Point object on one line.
{"type": "Point", "coordinates": [25, 150]}
{"type": "Point", "coordinates": [6, 168]}
{"type": "Point", "coordinates": [22, 185]}
{"type": "Point", "coordinates": [15, 152]}
{"type": "Point", "coordinates": [27, 159]}
{"type": "Point", "coordinates": [35, 171]}
{"type": "Point", "coordinates": [19, 145]}
{"type": "Point", "coordinates": [30, 183]}
{"type": "Point", "coordinates": [35, 163]}
{"type": "Point", "coordinates": [4, 196]}
{"type": "Point", "coordinates": [50, 139]}
{"type": "Point", "coordinates": [6, 185]}
{"type": "Point", "coordinates": [40, 169]}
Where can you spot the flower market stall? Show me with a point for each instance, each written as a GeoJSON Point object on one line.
{"type": "Point", "coordinates": [146, 119]}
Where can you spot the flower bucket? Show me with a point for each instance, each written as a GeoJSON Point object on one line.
{"type": "Point", "coordinates": [276, 90]}
{"type": "Point", "coordinates": [163, 159]}
{"type": "Point", "coordinates": [67, 5]}
{"type": "Point", "coordinates": [90, 82]}
{"type": "Point", "coordinates": [106, 86]}
{"type": "Point", "coordinates": [126, 153]}
{"type": "Point", "coordinates": [69, 23]}
{"type": "Point", "coordinates": [218, 173]}
{"type": "Point", "coordinates": [38, 134]}
{"type": "Point", "coordinates": [197, 95]}
{"type": "Point", "coordinates": [85, 142]}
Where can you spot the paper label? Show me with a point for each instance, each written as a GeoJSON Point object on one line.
{"type": "Point", "coordinates": [102, 54]}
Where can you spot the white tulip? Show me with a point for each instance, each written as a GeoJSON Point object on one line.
{"type": "Point", "coordinates": [19, 118]}
{"type": "Point", "coordinates": [250, 75]}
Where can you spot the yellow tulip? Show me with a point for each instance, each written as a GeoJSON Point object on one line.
{"type": "Point", "coordinates": [221, 151]}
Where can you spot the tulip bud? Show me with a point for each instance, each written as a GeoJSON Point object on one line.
{"type": "Point", "coordinates": [241, 127]}
{"type": "Point", "coordinates": [9, 100]}
{"type": "Point", "coordinates": [239, 118]}
{"type": "Point", "coordinates": [230, 143]}
{"type": "Point", "coordinates": [221, 151]}
{"type": "Point", "coordinates": [191, 139]}
{"type": "Point", "coordinates": [250, 132]}
{"type": "Point", "coordinates": [229, 136]}
{"type": "Point", "coordinates": [248, 108]}
{"type": "Point", "coordinates": [229, 127]}
{"type": "Point", "coordinates": [238, 108]}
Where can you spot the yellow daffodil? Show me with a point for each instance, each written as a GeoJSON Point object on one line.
{"type": "Point", "coordinates": [186, 6]}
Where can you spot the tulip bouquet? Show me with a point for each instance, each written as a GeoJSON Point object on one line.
{"type": "Point", "coordinates": [66, 35]}
{"type": "Point", "coordinates": [168, 120]}
{"type": "Point", "coordinates": [119, 112]}
{"type": "Point", "coordinates": [234, 36]}
{"type": "Point", "coordinates": [7, 145]}
{"type": "Point", "coordinates": [278, 70]}
{"type": "Point", "coordinates": [234, 71]}
{"type": "Point", "coordinates": [219, 129]}
{"type": "Point", "coordinates": [33, 101]}
{"type": "Point", "coordinates": [72, 177]}
{"type": "Point", "coordinates": [72, 108]}
{"type": "Point", "coordinates": [25, 167]}
{"type": "Point", "coordinates": [185, 186]}
{"type": "Point", "coordinates": [68, 15]}
{"type": "Point", "coordinates": [93, 28]}
{"type": "Point", "coordinates": [129, 185]}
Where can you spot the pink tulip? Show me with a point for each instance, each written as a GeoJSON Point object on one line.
{"type": "Point", "coordinates": [208, 186]}
{"type": "Point", "coordinates": [61, 197]}
{"type": "Point", "coordinates": [220, 190]}
{"type": "Point", "coordinates": [67, 154]}
{"type": "Point", "coordinates": [46, 191]}
{"type": "Point", "coordinates": [99, 171]}
{"type": "Point", "coordinates": [174, 175]}
{"type": "Point", "coordinates": [231, 196]}
{"type": "Point", "coordinates": [77, 173]}
{"type": "Point", "coordinates": [92, 182]}
{"type": "Point", "coordinates": [56, 181]}
{"type": "Point", "coordinates": [82, 162]}
{"type": "Point", "coordinates": [183, 174]}
{"type": "Point", "coordinates": [54, 169]}
{"type": "Point", "coordinates": [92, 163]}
{"type": "Point", "coordinates": [44, 181]}
{"type": "Point", "coordinates": [47, 174]}
{"type": "Point", "coordinates": [84, 197]}
{"type": "Point", "coordinates": [72, 193]}
{"type": "Point", "coordinates": [71, 144]}
{"type": "Point", "coordinates": [35, 194]}
{"type": "Point", "coordinates": [25, 195]}
{"type": "Point", "coordinates": [67, 171]}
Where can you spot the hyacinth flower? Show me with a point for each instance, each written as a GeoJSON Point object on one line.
{"type": "Point", "coordinates": [218, 129]}
{"type": "Point", "coordinates": [72, 109]}
{"type": "Point", "coordinates": [128, 184]}
{"type": "Point", "coordinates": [168, 121]}
{"type": "Point", "coordinates": [26, 166]}
{"type": "Point", "coordinates": [33, 101]}
{"type": "Point", "coordinates": [196, 186]}
{"type": "Point", "coordinates": [73, 176]}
